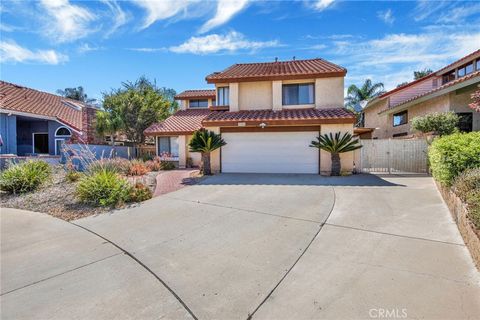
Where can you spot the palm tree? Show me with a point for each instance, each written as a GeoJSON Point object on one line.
{"type": "Point", "coordinates": [107, 124]}
{"type": "Point", "coordinates": [77, 93]}
{"type": "Point", "coordinates": [367, 91]}
{"type": "Point", "coordinates": [205, 141]}
{"type": "Point", "coordinates": [335, 145]}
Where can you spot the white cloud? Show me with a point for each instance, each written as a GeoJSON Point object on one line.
{"type": "Point", "coordinates": [213, 43]}
{"type": "Point", "coordinates": [393, 58]}
{"type": "Point", "coordinates": [66, 22]}
{"type": "Point", "coordinates": [161, 10]}
{"type": "Point", "coordinates": [148, 49]}
{"type": "Point", "coordinates": [84, 48]}
{"type": "Point", "coordinates": [386, 16]}
{"type": "Point", "coordinates": [321, 5]}
{"type": "Point", "coordinates": [119, 16]}
{"type": "Point", "coordinates": [445, 11]}
{"type": "Point", "coordinates": [10, 51]}
{"type": "Point", "coordinates": [226, 10]}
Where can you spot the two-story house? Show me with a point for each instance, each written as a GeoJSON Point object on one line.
{"type": "Point", "coordinates": [448, 89]}
{"type": "Point", "coordinates": [268, 114]}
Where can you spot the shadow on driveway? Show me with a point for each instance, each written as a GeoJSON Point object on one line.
{"type": "Point", "coordinates": [358, 180]}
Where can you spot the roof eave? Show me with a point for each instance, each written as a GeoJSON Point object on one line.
{"type": "Point", "coordinates": [212, 79]}
{"type": "Point", "coordinates": [432, 95]}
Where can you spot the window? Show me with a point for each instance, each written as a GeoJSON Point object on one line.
{"type": "Point", "coordinates": [63, 132]}
{"type": "Point", "coordinates": [168, 145]}
{"type": "Point", "coordinates": [478, 65]}
{"type": "Point", "coordinates": [465, 124]}
{"type": "Point", "coordinates": [465, 69]}
{"type": "Point", "coordinates": [400, 118]}
{"type": "Point", "coordinates": [223, 95]}
{"type": "Point", "coordinates": [198, 103]}
{"type": "Point", "coordinates": [297, 94]}
{"type": "Point", "coordinates": [448, 77]}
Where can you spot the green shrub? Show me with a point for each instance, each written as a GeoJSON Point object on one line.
{"type": "Point", "coordinates": [466, 182]}
{"type": "Point", "coordinates": [140, 192]}
{"type": "Point", "coordinates": [104, 188]}
{"type": "Point", "coordinates": [116, 165]}
{"type": "Point", "coordinates": [440, 123]}
{"type": "Point", "coordinates": [25, 177]}
{"type": "Point", "coordinates": [73, 176]}
{"type": "Point", "coordinates": [473, 202]}
{"type": "Point", "coordinates": [167, 165]}
{"type": "Point", "coordinates": [450, 155]}
{"type": "Point", "coordinates": [146, 157]}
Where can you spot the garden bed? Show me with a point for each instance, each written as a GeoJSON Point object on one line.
{"type": "Point", "coordinates": [58, 197]}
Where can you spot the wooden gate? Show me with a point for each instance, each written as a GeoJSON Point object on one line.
{"type": "Point", "coordinates": [393, 156]}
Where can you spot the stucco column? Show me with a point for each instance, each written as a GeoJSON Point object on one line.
{"type": "Point", "coordinates": [346, 159]}
{"type": "Point", "coordinates": [215, 155]}
{"type": "Point", "coordinates": [277, 95]}
{"type": "Point", "coordinates": [183, 104]}
{"type": "Point", "coordinates": [233, 88]}
{"type": "Point", "coordinates": [182, 151]}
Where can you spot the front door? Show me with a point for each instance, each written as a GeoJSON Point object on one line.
{"type": "Point", "coordinates": [40, 143]}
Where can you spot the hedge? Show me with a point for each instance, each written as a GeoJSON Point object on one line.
{"type": "Point", "coordinates": [450, 155]}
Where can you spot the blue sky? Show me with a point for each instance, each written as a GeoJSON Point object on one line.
{"type": "Point", "coordinates": [53, 44]}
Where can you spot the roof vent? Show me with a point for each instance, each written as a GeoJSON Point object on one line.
{"type": "Point", "coordinates": [293, 58]}
{"type": "Point", "coordinates": [276, 59]}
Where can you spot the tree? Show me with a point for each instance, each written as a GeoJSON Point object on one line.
{"type": "Point", "coordinates": [137, 105]}
{"type": "Point", "coordinates": [205, 141]}
{"type": "Point", "coordinates": [439, 123]}
{"type": "Point", "coordinates": [475, 105]}
{"type": "Point", "coordinates": [108, 124]}
{"type": "Point", "coordinates": [77, 93]}
{"type": "Point", "coordinates": [421, 73]}
{"type": "Point", "coordinates": [402, 84]}
{"type": "Point", "coordinates": [367, 91]}
{"type": "Point", "coordinates": [336, 144]}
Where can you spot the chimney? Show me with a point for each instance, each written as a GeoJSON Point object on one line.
{"type": "Point", "coordinates": [89, 115]}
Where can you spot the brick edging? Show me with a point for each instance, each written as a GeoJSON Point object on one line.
{"type": "Point", "coordinates": [458, 211]}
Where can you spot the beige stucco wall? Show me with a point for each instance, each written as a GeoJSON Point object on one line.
{"type": "Point", "coordinates": [346, 159]}
{"type": "Point", "coordinates": [255, 95]}
{"type": "Point", "coordinates": [215, 155]}
{"type": "Point", "coordinates": [329, 92]}
{"type": "Point", "coordinates": [456, 101]}
{"type": "Point", "coordinates": [374, 120]}
{"type": "Point", "coordinates": [459, 102]}
{"type": "Point", "coordinates": [195, 156]}
{"type": "Point", "coordinates": [259, 95]}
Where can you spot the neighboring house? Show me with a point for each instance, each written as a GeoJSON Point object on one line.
{"type": "Point", "coordinates": [448, 89]}
{"type": "Point", "coordinates": [35, 122]}
{"type": "Point", "coordinates": [268, 114]}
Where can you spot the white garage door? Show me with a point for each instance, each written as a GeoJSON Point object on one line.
{"type": "Point", "coordinates": [270, 152]}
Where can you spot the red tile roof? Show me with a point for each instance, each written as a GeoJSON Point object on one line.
{"type": "Point", "coordinates": [181, 122]}
{"type": "Point", "coordinates": [196, 94]}
{"type": "Point", "coordinates": [289, 115]}
{"type": "Point", "coordinates": [433, 74]}
{"type": "Point", "coordinates": [21, 99]}
{"type": "Point", "coordinates": [446, 85]}
{"type": "Point", "coordinates": [459, 61]}
{"type": "Point", "coordinates": [280, 70]}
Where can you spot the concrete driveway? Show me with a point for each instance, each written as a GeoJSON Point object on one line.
{"type": "Point", "coordinates": [265, 246]}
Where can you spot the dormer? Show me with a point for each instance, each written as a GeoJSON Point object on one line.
{"type": "Point", "coordinates": [196, 99]}
{"type": "Point", "coordinates": [460, 68]}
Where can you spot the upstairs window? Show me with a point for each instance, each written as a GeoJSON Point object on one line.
{"type": "Point", "coordinates": [400, 118]}
{"type": "Point", "coordinates": [465, 69]}
{"type": "Point", "coordinates": [293, 94]}
{"type": "Point", "coordinates": [477, 65]}
{"type": "Point", "coordinates": [448, 77]}
{"type": "Point", "coordinates": [198, 103]}
{"type": "Point", "coordinates": [223, 96]}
